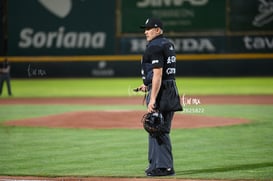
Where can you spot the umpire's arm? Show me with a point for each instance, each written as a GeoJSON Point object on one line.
{"type": "Point", "coordinates": [156, 84]}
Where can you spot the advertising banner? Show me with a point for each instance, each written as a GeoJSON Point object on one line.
{"type": "Point", "coordinates": [206, 44]}
{"type": "Point", "coordinates": [84, 38]}
{"type": "Point", "coordinates": [251, 15]}
{"type": "Point", "coordinates": [2, 28]}
{"type": "Point", "coordinates": [1, 41]}
{"type": "Point", "coordinates": [177, 15]}
{"type": "Point", "coordinates": [251, 44]}
{"type": "Point", "coordinates": [62, 27]}
{"type": "Point", "coordinates": [42, 70]}
{"type": "Point", "coordinates": [184, 45]}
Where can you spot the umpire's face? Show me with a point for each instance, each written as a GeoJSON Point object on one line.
{"type": "Point", "coordinates": [151, 33]}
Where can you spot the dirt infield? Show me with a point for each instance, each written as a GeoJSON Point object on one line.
{"type": "Point", "coordinates": [135, 100]}
{"type": "Point", "coordinates": [128, 119]}
{"type": "Point", "coordinates": [122, 119]}
{"type": "Point", "coordinates": [119, 119]}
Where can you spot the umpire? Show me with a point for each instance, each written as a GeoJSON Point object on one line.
{"type": "Point", "coordinates": [5, 76]}
{"type": "Point", "coordinates": [158, 73]}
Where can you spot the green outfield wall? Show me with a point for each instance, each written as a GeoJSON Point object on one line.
{"type": "Point", "coordinates": [75, 38]}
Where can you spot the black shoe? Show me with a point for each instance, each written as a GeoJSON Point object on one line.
{"type": "Point", "coordinates": [161, 172]}
{"type": "Point", "coordinates": [148, 169]}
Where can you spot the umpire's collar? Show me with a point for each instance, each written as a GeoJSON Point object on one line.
{"type": "Point", "coordinates": [157, 37]}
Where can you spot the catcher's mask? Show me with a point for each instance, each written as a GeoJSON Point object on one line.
{"type": "Point", "coordinates": [153, 123]}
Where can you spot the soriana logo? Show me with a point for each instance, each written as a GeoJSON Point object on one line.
{"type": "Point", "coordinates": [63, 35]}
{"type": "Point", "coordinates": [60, 8]}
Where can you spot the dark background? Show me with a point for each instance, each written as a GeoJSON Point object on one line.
{"type": "Point", "coordinates": [227, 27]}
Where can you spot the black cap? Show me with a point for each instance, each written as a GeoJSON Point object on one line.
{"type": "Point", "coordinates": [152, 23]}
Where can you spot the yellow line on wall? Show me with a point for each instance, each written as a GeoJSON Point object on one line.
{"type": "Point", "coordinates": [180, 57]}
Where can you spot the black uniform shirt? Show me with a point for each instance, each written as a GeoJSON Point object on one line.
{"type": "Point", "coordinates": [3, 66]}
{"type": "Point", "coordinates": [159, 53]}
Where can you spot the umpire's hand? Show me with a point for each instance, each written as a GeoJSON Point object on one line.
{"type": "Point", "coordinates": [151, 106]}
{"type": "Point", "coordinates": [142, 88]}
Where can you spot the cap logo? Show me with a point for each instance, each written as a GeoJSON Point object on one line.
{"type": "Point", "coordinates": [147, 21]}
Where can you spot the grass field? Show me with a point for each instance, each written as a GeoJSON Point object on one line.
{"type": "Point", "coordinates": [123, 87]}
{"type": "Point", "coordinates": [232, 152]}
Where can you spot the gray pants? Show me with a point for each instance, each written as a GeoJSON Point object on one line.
{"type": "Point", "coordinates": [5, 77]}
{"type": "Point", "coordinates": [160, 149]}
